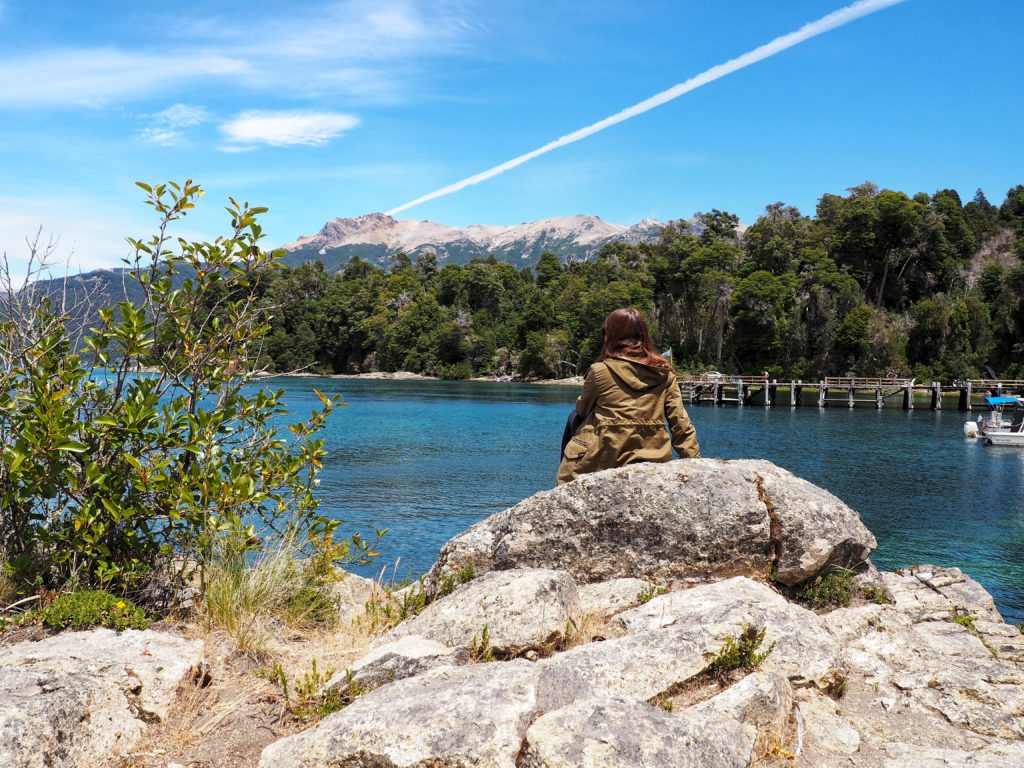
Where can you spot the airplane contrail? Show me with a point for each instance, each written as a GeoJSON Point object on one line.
{"type": "Point", "coordinates": [778, 45]}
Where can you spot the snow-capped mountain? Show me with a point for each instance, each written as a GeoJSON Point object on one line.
{"type": "Point", "coordinates": [377, 237]}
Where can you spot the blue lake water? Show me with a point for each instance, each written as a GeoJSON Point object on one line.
{"type": "Point", "coordinates": [426, 459]}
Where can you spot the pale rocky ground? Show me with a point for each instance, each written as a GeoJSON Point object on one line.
{"type": "Point", "coordinates": [604, 602]}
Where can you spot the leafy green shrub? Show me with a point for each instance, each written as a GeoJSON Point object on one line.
{"type": "Point", "coordinates": [93, 608]}
{"type": "Point", "coordinates": [833, 588]}
{"type": "Point", "coordinates": [740, 653]}
{"type": "Point", "coordinates": [109, 469]}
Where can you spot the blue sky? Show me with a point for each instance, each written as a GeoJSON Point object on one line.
{"type": "Point", "coordinates": [324, 109]}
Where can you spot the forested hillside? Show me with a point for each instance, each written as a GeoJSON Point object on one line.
{"type": "Point", "coordinates": [877, 282]}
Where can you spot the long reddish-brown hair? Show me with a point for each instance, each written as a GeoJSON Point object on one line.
{"type": "Point", "coordinates": [626, 335]}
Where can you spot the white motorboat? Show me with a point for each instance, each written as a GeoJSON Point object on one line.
{"type": "Point", "coordinates": [1005, 423]}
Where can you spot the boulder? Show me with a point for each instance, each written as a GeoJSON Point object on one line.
{"type": "Point", "coordinates": [606, 598]}
{"type": "Point", "coordinates": [689, 520]}
{"type": "Point", "coordinates": [804, 649]}
{"type": "Point", "coordinates": [521, 610]}
{"type": "Point", "coordinates": [762, 700]}
{"type": "Point", "coordinates": [406, 657]}
{"type": "Point", "coordinates": [452, 717]}
{"type": "Point", "coordinates": [79, 698]}
{"type": "Point", "coordinates": [350, 595]}
{"type": "Point", "coordinates": [623, 733]}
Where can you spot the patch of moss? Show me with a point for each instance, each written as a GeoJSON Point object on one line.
{"type": "Point", "coordinates": [93, 608]}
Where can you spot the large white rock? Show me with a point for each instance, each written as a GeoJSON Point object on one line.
{"type": "Point", "coordinates": [80, 698]}
{"type": "Point", "coordinates": [707, 614]}
{"type": "Point", "coordinates": [693, 519]}
{"type": "Point", "coordinates": [521, 610]}
{"type": "Point", "coordinates": [452, 717]}
{"type": "Point", "coordinates": [606, 598]}
{"type": "Point", "coordinates": [406, 657]}
{"type": "Point", "coordinates": [623, 733]}
{"type": "Point", "coordinates": [762, 700]}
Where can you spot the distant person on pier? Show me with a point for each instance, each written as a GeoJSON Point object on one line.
{"type": "Point", "coordinates": [627, 397]}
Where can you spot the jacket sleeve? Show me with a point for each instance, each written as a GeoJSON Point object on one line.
{"type": "Point", "coordinates": [588, 397]}
{"type": "Point", "coordinates": [684, 436]}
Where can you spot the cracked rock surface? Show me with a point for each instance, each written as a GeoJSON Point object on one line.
{"type": "Point", "coordinates": [692, 520]}
{"type": "Point", "coordinates": [79, 698]}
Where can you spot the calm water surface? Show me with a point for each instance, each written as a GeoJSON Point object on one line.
{"type": "Point", "coordinates": [426, 459]}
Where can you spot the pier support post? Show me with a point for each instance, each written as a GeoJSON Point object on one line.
{"type": "Point", "coordinates": [908, 398]}
{"type": "Point", "coordinates": [936, 396]}
{"type": "Point", "coordinates": [879, 400]}
{"type": "Point", "coordinates": [741, 394]}
{"type": "Point", "coordinates": [794, 394]}
{"type": "Point", "coordinates": [769, 395]}
{"type": "Point", "coordinates": [849, 396]}
{"type": "Point", "coordinates": [716, 394]}
{"type": "Point", "coordinates": [967, 399]}
{"type": "Point", "coordinates": [961, 402]}
{"type": "Point", "coordinates": [822, 392]}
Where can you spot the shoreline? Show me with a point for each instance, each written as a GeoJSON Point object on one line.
{"type": "Point", "coordinates": [572, 381]}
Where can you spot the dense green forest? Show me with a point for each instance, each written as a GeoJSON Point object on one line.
{"type": "Point", "coordinates": [877, 282]}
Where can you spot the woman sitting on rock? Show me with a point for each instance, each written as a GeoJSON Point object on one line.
{"type": "Point", "coordinates": [627, 396]}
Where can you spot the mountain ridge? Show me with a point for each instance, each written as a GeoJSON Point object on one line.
{"type": "Point", "coordinates": [378, 236]}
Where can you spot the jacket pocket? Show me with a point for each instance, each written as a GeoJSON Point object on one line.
{"type": "Point", "coordinates": [578, 446]}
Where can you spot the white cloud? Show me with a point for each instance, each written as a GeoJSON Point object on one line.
{"type": "Point", "coordinates": [279, 129]}
{"type": "Point", "coordinates": [360, 48]}
{"type": "Point", "coordinates": [182, 116]}
{"type": "Point", "coordinates": [164, 128]}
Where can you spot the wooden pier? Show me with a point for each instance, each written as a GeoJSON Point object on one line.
{"type": "Point", "coordinates": [831, 392]}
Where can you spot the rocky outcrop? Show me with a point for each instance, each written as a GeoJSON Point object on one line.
{"type": "Point", "coordinates": [82, 698]}
{"type": "Point", "coordinates": [448, 718]}
{"type": "Point", "coordinates": [408, 656]}
{"type": "Point", "coordinates": [622, 733]}
{"type": "Point", "coordinates": [682, 521]}
{"type": "Point", "coordinates": [674, 562]}
{"type": "Point", "coordinates": [804, 649]}
{"type": "Point", "coordinates": [607, 598]}
{"type": "Point", "coordinates": [519, 610]}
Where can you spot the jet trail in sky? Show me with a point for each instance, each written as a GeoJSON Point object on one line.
{"type": "Point", "coordinates": [778, 45]}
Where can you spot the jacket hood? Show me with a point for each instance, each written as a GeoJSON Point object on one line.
{"type": "Point", "coordinates": [637, 375]}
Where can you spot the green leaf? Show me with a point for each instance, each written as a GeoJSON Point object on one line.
{"type": "Point", "coordinates": [73, 446]}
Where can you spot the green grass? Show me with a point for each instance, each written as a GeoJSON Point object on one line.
{"type": "Point", "coordinates": [93, 608]}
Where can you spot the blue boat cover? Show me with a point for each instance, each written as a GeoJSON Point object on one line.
{"type": "Point", "coordinates": [1001, 400]}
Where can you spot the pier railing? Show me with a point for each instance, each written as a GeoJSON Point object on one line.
{"type": "Point", "coordinates": [740, 390]}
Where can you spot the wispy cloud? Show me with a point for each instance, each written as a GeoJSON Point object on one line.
{"type": "Point", "coordinates": [355, 48]}
{"type": "Point", "coordinates": [103, 75]}
{"type": "Point", "coordinates": [280, 129]}
{"type": "Point", "coordinates": [164, 127]}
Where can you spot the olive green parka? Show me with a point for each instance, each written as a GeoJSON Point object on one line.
{"type": "Point", "coordinates": [625, 404]}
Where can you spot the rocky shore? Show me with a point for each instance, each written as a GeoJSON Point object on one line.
{"type": "Point", "coordinates": [654, 616]}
